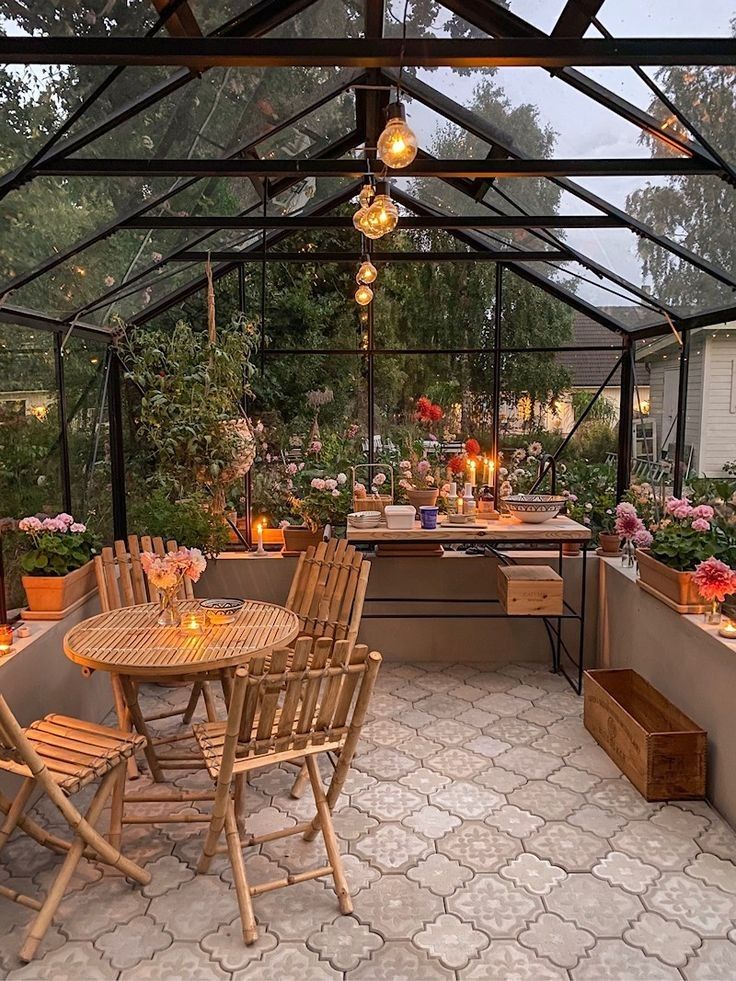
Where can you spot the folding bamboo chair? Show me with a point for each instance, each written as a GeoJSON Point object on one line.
{"type": "Point", "coordinates": [328, 590]}
{"type": "Point", "coordinates": [60, 756]}
{"type": "Point", "coordinates": [297, 704]}
{"type": "Point", "coordinates": [122, 582]}
{"type": "Point", "coordinates": [327, 593]}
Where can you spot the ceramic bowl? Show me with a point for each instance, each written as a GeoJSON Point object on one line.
{"type": "Point", "coordinates": [221, 611]}
{"type": "Point", "coordinates": [533, 509]}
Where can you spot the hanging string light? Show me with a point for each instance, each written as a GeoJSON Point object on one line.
{"type": "Point", "coordinates": [367, 272]}
{"type": "Point", "coordinates": [397, 144]}
{"type": "Point", "coordinates": [382, 216]}
{"type": "Point", "coordinates": [363, 295]}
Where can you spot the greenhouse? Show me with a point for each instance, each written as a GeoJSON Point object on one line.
{"type": "Point", "coordinates": [367, 489]}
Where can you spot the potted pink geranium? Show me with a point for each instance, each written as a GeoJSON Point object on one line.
{"type": "Point", "coordinates": [58, 567]}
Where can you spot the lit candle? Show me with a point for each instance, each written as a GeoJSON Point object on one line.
{"type": "Point", "coordinates": [259, 528]}
{"type": "Point", "coordinates": [192, 623]}
{"type": "Point", "coordinates": [6, 638]}
{"type": "Point", "coordinates": [728, 630]}
{"type": "Point", "coordinates": [459, 505]}
{"type": "Point", "coordinates": [471, 468]}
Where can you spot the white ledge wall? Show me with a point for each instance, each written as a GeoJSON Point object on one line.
{"type": "Point", "coordinates": [454, 576]}
{"type": "Point", "coordinates": [684, 660]}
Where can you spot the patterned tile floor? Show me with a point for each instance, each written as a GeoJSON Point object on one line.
{"type": "Point", "coordinates": [486, 836]}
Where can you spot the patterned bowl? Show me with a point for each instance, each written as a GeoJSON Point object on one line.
{"type": "Point", "coordinates": [533, 509]}
{"type": "Point", "coordinates": [221, 611]}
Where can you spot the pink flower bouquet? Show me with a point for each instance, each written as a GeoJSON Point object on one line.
{"type": "Point", "coordinates": [166, 573]}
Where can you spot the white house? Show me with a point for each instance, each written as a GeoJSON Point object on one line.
{"type": "Point", "coordinates": [710, 431]}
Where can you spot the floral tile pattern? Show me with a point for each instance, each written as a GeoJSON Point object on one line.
{"type": "Point", "coordinates": [485, 836]}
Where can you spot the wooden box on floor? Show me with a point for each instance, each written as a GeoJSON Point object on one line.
{"type": "Point", "coordinates": [657, 746]}
{"type": "Point", "coordinates": [530, 590]}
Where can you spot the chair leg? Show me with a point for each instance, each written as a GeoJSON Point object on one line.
{"type": "Point", "coordinates": [192, 703]}
{"type": "Point", "coordinates": [300, 783]}
{"type": "Point", "coordinates": [131, 699]}
{"type": "Point", "coordinates": [15, 811]}
{"type": "Point", "coordinates": [209, 702]}
{"type": "Point", "coordinates": [242, 889]}
{"type": "Point", "coordinates": [117, 806]}
{"type": "Point", "coordinates": [330, 838]}
{"type": "Point", "coordinates": [217, 822]}
{"type": "Point", "coordinates": [55, 894]}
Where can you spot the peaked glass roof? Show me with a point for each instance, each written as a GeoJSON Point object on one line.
{"type": "Point", "coordinates": [638, 161]}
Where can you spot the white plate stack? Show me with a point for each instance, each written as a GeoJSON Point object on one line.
{"type": "Point", "coordinates": [364, 519]}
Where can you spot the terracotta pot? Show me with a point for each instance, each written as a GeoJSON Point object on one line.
{"type": "Point", "coordinates": [609, 542]}
{"type": "Point", "coordinates": [677, 586]}
{"type": "Point", "coordinates": [571, 548]}
{"type": "Point", "coordinates": [298, 538]}
{"type": "Point", "coordinates": [53, 594]}
{"type": "Point", "coordinates": [423, 497]}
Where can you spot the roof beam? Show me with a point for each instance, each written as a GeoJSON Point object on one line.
{"type": "Point", "coordinates": [271, 52]}
{"type": "Point", "coordinates": [40, 321]}
{"type": "Point", "coordinates": [354, 168]}
{"type": "Point", "coordinates": [500, 255]}
{"type": "Point", "coordinates": [295, 222]}
{"type": "Point", "coordinates": [576, 17]}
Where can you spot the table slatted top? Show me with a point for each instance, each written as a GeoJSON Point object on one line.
{"type": "Point", "coordinates": [129, 641]}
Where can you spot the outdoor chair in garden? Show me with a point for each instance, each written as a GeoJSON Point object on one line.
{"type": "Point", "coordinates": [59, 756]}
{"type": "Point", "coordinates": [327, 593]}
{"type": "Point", "coordinates": [297, 704]}
{"type": "Point", "coordinates": [122, 582]}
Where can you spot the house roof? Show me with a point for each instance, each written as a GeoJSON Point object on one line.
{"type": "Point", "coordinates": [589, 369]}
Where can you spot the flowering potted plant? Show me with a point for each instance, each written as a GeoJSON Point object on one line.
{"type": "Point", "coordinates": [167, 573]}
{"type": "Point", "coordinates": [419, 482]}
{"type": "Point", "coordinates": [685, 537]}
{"type": "Point", "coordinates": [324, 500]}
{"type": "Point", "coordinates": [714, 581]}
{"type": "Point", "coordinates": [58, 567]}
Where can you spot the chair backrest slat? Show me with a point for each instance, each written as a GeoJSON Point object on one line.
{"type": "Point", "coordinates": [125, 581]}
{"type": "Point", "coordinates": [120, 577]}
{"type": "Point", "coordinates": [140, 583]}
{"type": "Point", "coordinates": [328, 590]}
{"type": "Point", "coordinates": [318, 694]}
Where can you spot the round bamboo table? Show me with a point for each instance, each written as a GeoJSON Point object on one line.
{"type": "Point", "coordinates": [129, 644]}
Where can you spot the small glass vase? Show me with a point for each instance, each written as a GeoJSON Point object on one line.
{"type": "Point", "coordinates": [628, 557]}
{"type": "Point", "coordinates": [169, 614]}
{"type": "Point", "coordinates": [713, 613]}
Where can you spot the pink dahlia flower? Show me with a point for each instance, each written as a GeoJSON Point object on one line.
{"type": "Point", "coordinates": [714, 579]}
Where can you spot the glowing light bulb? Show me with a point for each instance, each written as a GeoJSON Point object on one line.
{"type": "Point", "coordinates": [367, 272]}
{"type": "Point", "coordinates": [363, 295]}
{"type": "Point", "coordinates": [359, 218]}
{"type": "Point", "coordinates": [397, 144]}
{"type": "Point", "coordinates": [382, 216]}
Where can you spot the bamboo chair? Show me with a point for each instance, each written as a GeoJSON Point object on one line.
{"type": "Point", "coordinates": [328, 593]}
{"type": "Point", "coordinates": [295, 705]}
{"type": "Point", "coordinates": [60, 756]}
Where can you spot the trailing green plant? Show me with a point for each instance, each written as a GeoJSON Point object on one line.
{"type": "Point", "coordinates": [189, 521]}
{"type": "Point", "coordinates": [58, 545]}
{"type": "Point", "coordinates": [191, 418]}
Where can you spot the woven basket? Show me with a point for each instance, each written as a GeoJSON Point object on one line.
{"type": "Point", "coordinates": [372, 502]}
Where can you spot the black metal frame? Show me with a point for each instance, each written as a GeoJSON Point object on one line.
{"type": "Point", "coordinates": [510, 41]}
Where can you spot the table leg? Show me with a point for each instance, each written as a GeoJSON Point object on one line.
{"type": "Point", "coordinates": [131, 699]}
{"type": "Point", "coordinates": [226, 686]}
{"type": "Point", "coordinates": [121, 710]}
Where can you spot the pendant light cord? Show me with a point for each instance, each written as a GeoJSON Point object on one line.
{"type": "Point", "coordinates": [402, 50]}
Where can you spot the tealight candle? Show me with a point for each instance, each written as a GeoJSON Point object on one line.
{"type": "Point", "coordinates": [192, 623]}
{"type": "Point", "coordinates": [728, 630]}
{"type": "Point", "coordinates": [6, 638]}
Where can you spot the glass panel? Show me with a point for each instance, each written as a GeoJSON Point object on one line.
{"type": "Point", "coordinates": [661, 18]}
{"type": "Point", "coordinates": [425, 20]}
{"type": "Point", "coordinates": [299, 400]}
{"type": "Point", "coordinates": [543, 14]}
{"type": "Point", "coordinates": [84, 377]}
{"type": "Point", "coordinates": [460, 385]}
{"type": "Point", "coordinates": [48, 18]}
{"type": "Point", "coordinates": [29, 439]}
{"type": "Point", "coordinates": [533, 318]}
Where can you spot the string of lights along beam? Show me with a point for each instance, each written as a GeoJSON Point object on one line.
{"type": "Point", "coordinates": [198, 53]}
{"type": "Point", "coordinates": [354, 168]}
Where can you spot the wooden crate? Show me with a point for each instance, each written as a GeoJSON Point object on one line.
{"type": "Point", "coordinates": [657, 746]}
{"type": "Point", "coordinates": [528, 590]}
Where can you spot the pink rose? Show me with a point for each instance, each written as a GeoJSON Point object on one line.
{"type": "Point", "coordinates": [700, 524]}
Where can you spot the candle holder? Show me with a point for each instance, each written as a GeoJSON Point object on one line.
{"type": "Point", "coordinates": [727, 629]}
{"type": "Point", "coordinates": [6, 639]}
{"type": "Point", "coordinates": [193, 623]}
